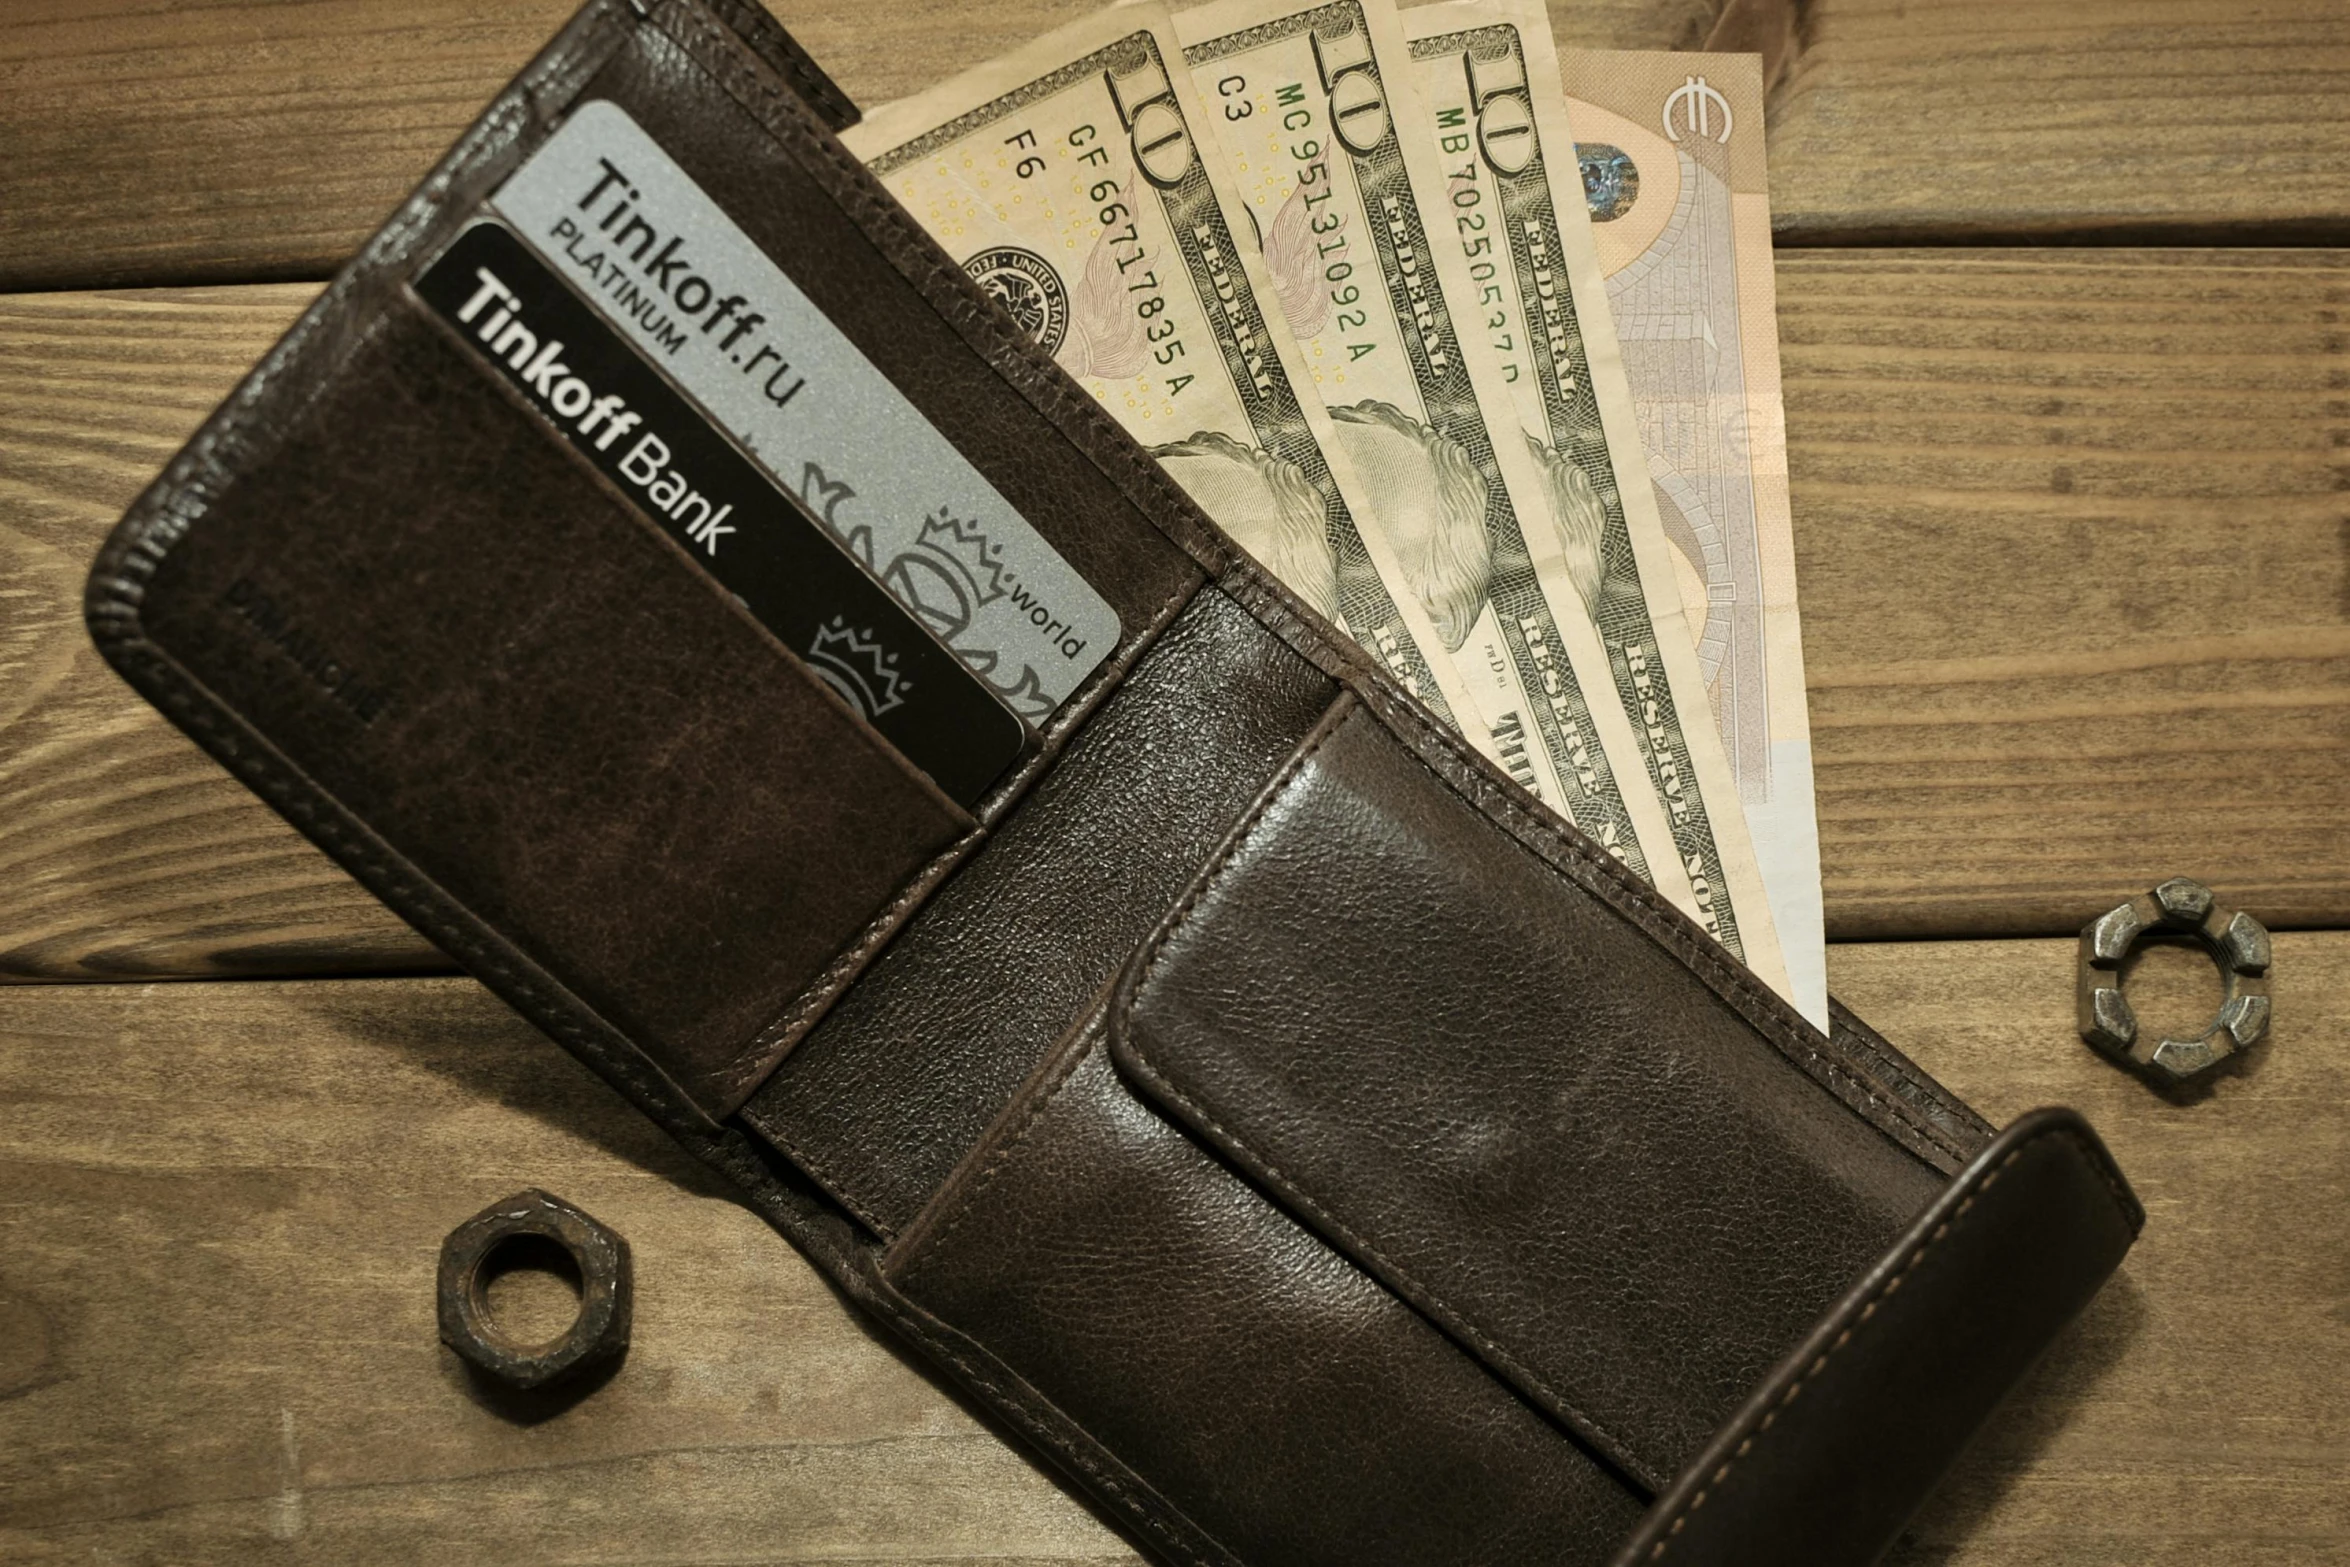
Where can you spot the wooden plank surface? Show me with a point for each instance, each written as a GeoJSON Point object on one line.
{"type": "Point", "coordinates": [2073, 544]}
{"type": "Point", "coordinates": [239, 140]}
{"type": "Point", "coordinates": [220, 1212]}
{"type": "Point", "coordinates": [2075, 564]}
{"type": "Point", "coordinates": [2132, 121]}
{"type": "Point", "coordinates": [221, 1204]}
{"type": "Point", "coordinates": [124, 850]}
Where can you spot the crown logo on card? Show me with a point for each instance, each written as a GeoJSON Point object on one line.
{"type": "Point", "coordinates": [965, 547]}
{"type": "Point", "coordinates": [1027, 696]}
{"type": "Point", "coordinates": [949, 573]}
{"type": "Point", "coordinates": [855, 664]}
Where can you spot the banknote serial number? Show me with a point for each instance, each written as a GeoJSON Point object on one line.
{"type": "Point", "coordinates": [1468, 215]}
{"type": "Point", "coordinates": [1314, 198]}
{"type": "Point", "coordinates": [1137, 274]}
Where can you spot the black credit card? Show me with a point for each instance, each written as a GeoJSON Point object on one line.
{"type": "Point", "coordinates": [754, 537]}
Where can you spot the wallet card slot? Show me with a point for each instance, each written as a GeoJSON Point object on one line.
{"type": "Point", "coordinates": [525, 326]}
{"type": "Point", "coordinates": [679, 846]}
{"type": "Point", "coordinates": [1505, 1100]}
{"type": "Point", "coordinates": [1284, 1403]}
{"type": "Point", "coordinates": [529, 695]}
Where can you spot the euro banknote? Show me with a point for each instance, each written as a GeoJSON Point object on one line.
{"type": "Point", "coordinates": [1671, 148]}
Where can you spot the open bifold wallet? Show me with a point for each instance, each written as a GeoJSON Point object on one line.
{"type": "Point", "coordinates": [661, 575]}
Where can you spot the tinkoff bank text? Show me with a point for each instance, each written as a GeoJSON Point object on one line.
{"type": "Point", "coordinates": [647, 276]}
{"type": "Point", "coordinates": [494, 312]}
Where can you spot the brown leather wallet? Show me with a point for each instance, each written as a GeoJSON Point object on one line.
{"type": "Point", "coordinates": [1243, 1090]}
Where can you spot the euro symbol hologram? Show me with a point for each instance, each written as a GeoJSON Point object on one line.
{"type": "Point", "coordinates": [1698, 100]}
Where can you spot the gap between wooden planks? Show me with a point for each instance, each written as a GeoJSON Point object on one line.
{"type": "Point", "coordinates": [223, 1204]}
{"type": "Point", "coordinates": [238, 140]}
{"type": "Point", "coordinates": [2074, 544]}
{"type": "Point", "coordinates": [2110, 121]}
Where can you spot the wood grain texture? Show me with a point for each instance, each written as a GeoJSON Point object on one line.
{"type": "Point", "coordinates": [2199, 1411]}
{"type": "Point", "coordinates": [222, 1202]}
{"type": "Point", "coordinates": [243, 140]}
{"type": "Point", "coordinates": [238, 140]}
{"type": "Point", "coordinates": [2123, 121]}
{"type": "Point", "coordinates": [221, 1207]}
{"type": "Point", "coordinates": [123, 849]}
{"type": "Point", "coordinates": [2073, 538]}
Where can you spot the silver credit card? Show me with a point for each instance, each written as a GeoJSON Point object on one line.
{"type": "Point", "coordinates": [654, 255]}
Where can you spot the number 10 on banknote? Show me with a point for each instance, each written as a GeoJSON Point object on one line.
{"type": "Point", "coordinates": [1071, 180]}
{"type": "Point", "coordinates": [1320, 126]}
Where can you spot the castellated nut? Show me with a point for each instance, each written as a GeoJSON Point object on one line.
{"type": "Point", "coordinates": [2237, 943]}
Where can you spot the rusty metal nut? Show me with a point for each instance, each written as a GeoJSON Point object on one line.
{"type": "Point", "coordinates": [2238, 943]}
{"type": "Point", "coordinates": [600, 1332]}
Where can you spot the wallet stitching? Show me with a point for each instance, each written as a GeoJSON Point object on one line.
{"type": "Point", "coordinates": [1406, 1281]}
{"type": "Point", "coordinates": [1331, 723]}
{"type": "Point", "coordinates": [753, 1060]}
{"type": "Point", "coordinates": [1015, 1137]}
{"type": "Point", "coordinates": [823, 1177]}
{"type": "Point", "coordinates": [2090, 1154]}
{"type": "Point", "coordinates": [760, 1055]}
{"type": "Point", "coordinates": [302, 800]}
{"type": "Point", "coordinates": [1342, 713]}
{"type": "Point", "coordinates": [1970, 1131]}
{"type": "Point", "coordinates": [1038, 1417]}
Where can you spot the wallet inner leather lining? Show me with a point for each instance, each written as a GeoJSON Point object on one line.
{"type": "Point", "coordinates": [1141, 1286]}
{"type": "Point", "coordinates": [885, 1095]}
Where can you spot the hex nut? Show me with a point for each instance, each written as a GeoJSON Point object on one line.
{"type": "Point", "coordinates": [606, 1290]}
{"type": "Point", "coordinates": [2237, 943]}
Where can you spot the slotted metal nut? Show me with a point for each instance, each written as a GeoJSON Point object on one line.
{"type": "Point", "coordinates": [2237, 943]}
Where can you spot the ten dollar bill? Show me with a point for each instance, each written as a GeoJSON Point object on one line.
{"type": "Point", "coordinates": [1070, 179]}
{"type": "Point", "coordinates": [1319, 120]}
{"type": "Point", "coordinates": [1490, 78]}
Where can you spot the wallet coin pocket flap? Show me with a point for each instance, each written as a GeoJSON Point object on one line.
{"type": "Point", "coordinates": [1484, 1083]}
{"type": "Point", "coordinates": [1287, 1405]}
{"type": "Point", "coordinates": [1834, 1450]}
